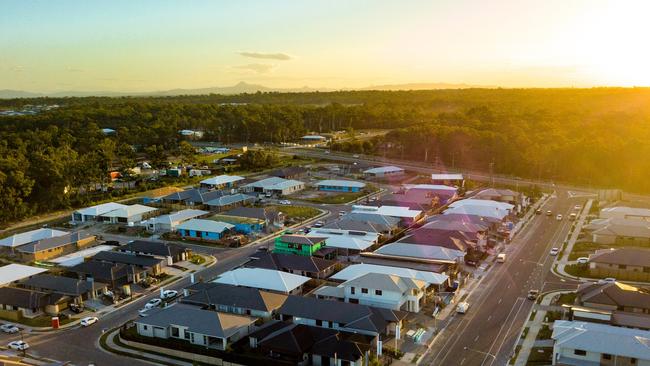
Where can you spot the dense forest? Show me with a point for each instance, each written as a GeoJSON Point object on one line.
{"type": "Point", "coordinates": [598, 137]}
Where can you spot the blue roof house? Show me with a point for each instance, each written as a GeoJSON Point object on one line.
{"type": "Point", "coordinates": [333, 185]}
{"type": "Point", "coordinates": [198, 229]}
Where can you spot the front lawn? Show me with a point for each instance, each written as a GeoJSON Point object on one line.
{"type": "Point", "coordinates": [578, 270]}
{"type": "Point", "coordinates": [297, 212]}
{"type": "Point", "coordinates": [568, 299]}
{"type": "Point", "coordinates": [583, 249]}
{"type": "Point", "coordinates": [540, 356]}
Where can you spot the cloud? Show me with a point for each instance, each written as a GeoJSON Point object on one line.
{"type": "Point", "coordinates": [73, 69]}
{"type": "Point", "coordinates": [258, 68]}
{"type": "Point", "coordinates": [267, 56]}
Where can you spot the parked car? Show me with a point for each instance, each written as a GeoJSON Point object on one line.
{"type": "Point", "coordinates": [607, 280]}
{"type": "Point", "coordinates": [532, 294]}
{"type": "Point", "coordinates": [549, 213]}
{"type": "Point", "coordinates": [169, 294]}
{"type": "Point", "coordinates": [572, 216]}
{"type": "Point", "coordinates": [143, 312]}
{"type": "Point", "coordinates": [462, 307]}
{"type": "Point", "coordinates": [501, 258]}
{"type": "Point", "coordinates": [18, 345]}
{"type": "Point", "coordinates": [9, 328]}
{"type": "Point", "coordinates": [319, 224]}
{"type": "Point", "coordinates": [555, 251]}
{"type": "Point", "coordinates": [342, 213]}
{"type": "Point", "coordinates": [583, 260]}
{"type": "Point", "coordinates": [558, 217]}
{"type": "Point", "coordinates": [76, 308]}
{"type": "Point", "coordinates": [88, 321]}
{"type": "Point", "coordinates": [112, 242]}
{"type": "Point", "coordinates": [538, 211]}
{"type": "Point", "coordinates": [355, 155]}
{"type": "Point", "coordinates": [153, 303]}
{"type": "Point", "coordinates": [577, 207]}
{"type": "Point", "coordinates": [285, 202]}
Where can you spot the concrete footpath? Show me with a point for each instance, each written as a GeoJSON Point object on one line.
{"type": "Point", "coordinates": [533, 328]}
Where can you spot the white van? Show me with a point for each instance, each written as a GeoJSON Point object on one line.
{"type": "Point", "coordinates": [501, 258]}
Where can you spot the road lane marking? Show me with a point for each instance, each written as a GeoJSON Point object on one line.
{"type": "Point", "coordinates": [476, 339]}
{"type": "Point", "coordinates": [522, 302]}
{"type": "Point", "coordinates": [505, 336]}
{"type": "Point", "coordinates": [500, 301]}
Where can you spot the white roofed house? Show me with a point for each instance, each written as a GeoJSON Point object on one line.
{"type": "Point", "coordinates": [17, 240]}
{"type": "Point", "coordinates": [407, 252]}
{"type": "Point", "coordinates": [443, 178]}
{"type": "Point", "coordinates": [405, 215]}
{"type": "Point", "coordinates": [16, 272]}
{"type": "Point", "coordinates": [435, 280]}
{"type": "Point", "coordinates": [129, 214]}
{"type": "Point", "coordinates": [275, 185]}
{"type": "Point", "coordinates": [347, 242]}
{"type": "Point", "coordinates": [379, 289]}
{"type": "Point", "coordinates": [264, 279]}
{"type": "Point", "coordinates": [221, 181]}
{"type": "Point", "coordinates": [384, 172]}
{"type": "Point", "coordinates": [171, 221]}
{"type": "Point", "coordinates": [95, 212]}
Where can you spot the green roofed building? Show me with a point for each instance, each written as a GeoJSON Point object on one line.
{"type": "Point", "coordinates": [298, 244]}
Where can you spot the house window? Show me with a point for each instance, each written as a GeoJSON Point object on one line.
{"type": "Point", "coordinates": [579, 352]}
{"type": "Point", "coordinates": [364, 290]}
{"type": "Point", "coordinates": [646, 269]}
{"type": "Point", "coordinates": [633, 361]}
{"type": "Point", "coordinates": [175, 332]}
{"type": "Point", "coordinates": [378, 292]}
{"type": "Point", "coordinates": [319, 322]}
{"type": "Point", "coordinates": [352, 290]}
{"type": "Point", "coordinates": [144, 327]}
{"type": "Point", "coordinates": [622, 266]}
{"type": "Point", "coordinates": [607, 356]}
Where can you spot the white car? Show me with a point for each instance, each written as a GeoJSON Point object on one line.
{"type": "Point", "coordinates": [583, 260]}
{"type": "Point", "coordinates": [462, 307]}
{"type": "Point", "coordinates": [577, 207]}
{"type": "Point", "coordinates": [558, 217]}
{"type": "Point", "coordinates": [285, 202]}
{"type": "Point", "coordinates": [9, 328]}
{"type": "Point", "coordinates": [169, 294]}
{"type": "Point", "coordinates": [88, 321]}
{"type": "Point", "coordinates": [153, 303]}
{"type": "Point", "coordinates": [355, 155]}
{"type": "Point", "coordinates": [555, 251]}
{"type": "Point", "coordinates": [319, 224]}
{"type": "Point", "coordinates": [18, 345]}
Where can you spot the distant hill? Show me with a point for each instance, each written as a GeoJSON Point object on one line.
{"type": "Point", "coordinates": [239, 88]}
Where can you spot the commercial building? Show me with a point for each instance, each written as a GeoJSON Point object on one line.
{"type": "Point", "coordinates": [384, 172]}
{"type": "Point", "coordinates": [333, 185]}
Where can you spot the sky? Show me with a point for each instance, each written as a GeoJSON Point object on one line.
{"type": "Point", "coordinates": [149, 45]}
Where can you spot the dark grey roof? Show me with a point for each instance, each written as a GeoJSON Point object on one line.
{"type": "Point", "coordinates": [212, 294]}
{"type": "Point", "coordinates": [194, 195]}
{"type": "Point", "coordinates": [302, 239]}
{"type": "Point", "coordinates": [288, 172]}
{"type": "Point", "coordinates": [353, 316]}
{"type": "Point", "coordinates": [55, 242]}
{"type": "Point", "coordinates": [284, 262]}
{"type": "Point", "coordinates": [366, 226]}
{"type": "Point", "coordinates": [625, 256]}
{"type": "Point", "coordinates": [231, 199]}
{"type": "Point", "coordinates": [27, 299]}
{"type": "Point", "coordinates": [153, 248]}
{"type": "Point", "coordinates": [105, 271]}
{"type": "Point", "coordinates": [61, 285]}
{"type": "Point", "coordinates": [456, 240]}
{"type": "Point", "coordinates": [206, 322]}
{"type": "Point", "coordinates": [125, 258]}
{"type": "Point", "coordinates": [388, 221]}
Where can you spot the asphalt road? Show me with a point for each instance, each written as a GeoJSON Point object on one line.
{"type": "Point", "coordinates": [488, 332]}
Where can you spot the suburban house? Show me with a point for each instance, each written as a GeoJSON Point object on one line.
{"type": "Point", "coordinates": [252, 219]}
{"type": "Point", "coordinates": [170, 222]}
{"type": "Point", "coordinates": [275, 186]}
{"type": "Point", "coordinates": [292, 172]}
{"type": "Point", "coordinates": [17, 240]}
{"type": "Point", "coordinates": [384, 172]}
{"type": "Point", "coordinates": [342, 316]}
{"type": "Point", "coordinates": [230, 201]}
{"type": "Point", "coordinates": [171, 253]}
{"type": "Point", "coordinates": [76, 289]}
{"type": "Point", "coordinates": [504, 207]}
{"type": "Point", "coordinates": [44, 249]}
{"type": "Point", "coordinates": [500, 195]}
{"type": "Point", "coordinates": [624, 235]}
{"type": "Point", "coordinates": [297, 264]}
{"type": "Point", "coordinates": [264, 279]}
{"type": "Point", "coordinates": [332, 185]}
{"type": "Point", "coordinates": [623, 263]}
{"type": "Point", "coordinates": [157, 194]}
{"type": "Point", "coordinates": [623, 212]}
{"type": "Point", "coordinates": [405, 215]}
{"type": "Point", "coordinates": [94, 212]}
{"type": "Point", "coordinates": [484, 211]}
{"type": "Point", "coordinates": [380, 290]}
{"type": "Point", "coordinates": [128, 214]}
{"type": "Point", "coordinates": [316, 346]}
{"type": "Point", "coordinates": [199, 229]}
{"type": "Point", "coordinates": [582, 343]}
{"type": "Point", "coordinates": [418, 253]}
{"type": "Point", "coordinates": [433, 280]}
{"type": "Point", "coordinates": [298, 244]}
{"type": "Point", "coordinates": [221, 181]}
{"type": "Point", "coordinates": [447, 178]}
{"type": "Point", "coordinates": [346, 242]}
{"type": "Point", "coordinates": [17, 303]}
{"type": "Point", "coordinates": [192, 197]}
{"type": "Point", "coordinates": [114, 275]}
{"type": "Point", "coordinates": [612, 303]}
{"type": "Point", "coordinates": [597, 224]}
{"type": "Point", "coordinates": [149, 263]}
{"type": "Point", "coordinates": [13, 272]}
{"type": "Point", "coordinates": [420, 196]}
{"type": "Point", "coordinates": [455, 240]}
{"type": "Point", "coordinates": [234, 299]}
{"type": "Point", "coordinates": [349, 223]}
{"type": "Point", "coordinates": [205, 328]}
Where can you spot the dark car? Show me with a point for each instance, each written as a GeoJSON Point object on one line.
{"type": "Point", "coordinates": [76, 308]}
{"type": "Point", "coordinates": [533, 294]}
